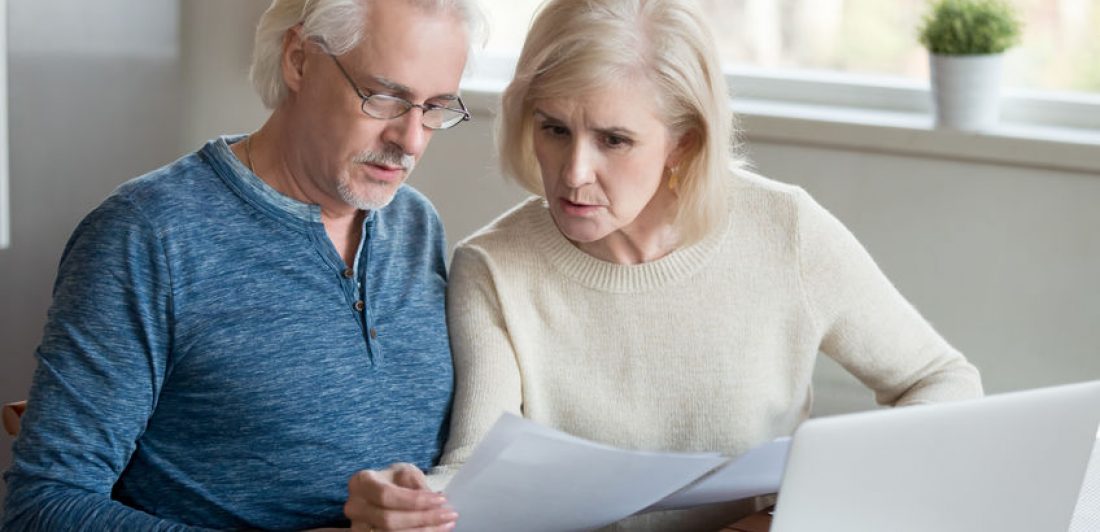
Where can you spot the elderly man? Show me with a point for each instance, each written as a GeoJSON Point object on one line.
{"type": "Point", "coordinates": [234, 335]}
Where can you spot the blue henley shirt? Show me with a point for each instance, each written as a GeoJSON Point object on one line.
{"type": "Point", "coordinates": [210, 361]}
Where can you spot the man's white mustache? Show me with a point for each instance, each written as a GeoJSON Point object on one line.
{"type": "Point", "coordinates": [387, 158]}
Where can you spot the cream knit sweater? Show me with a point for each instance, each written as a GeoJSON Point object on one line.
{"type": "Point", "coordinates": [710, 348]}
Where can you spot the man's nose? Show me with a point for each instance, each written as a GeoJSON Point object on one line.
{"type": "Point", "coordinates": [408, 131]}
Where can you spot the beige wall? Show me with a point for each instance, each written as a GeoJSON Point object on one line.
{"type": "Point", "coordinates": [93, 100]}
{"type": "Point", "coordinates": [1003, 261]}
{"type": "Point", "coordinates": [216, 42]}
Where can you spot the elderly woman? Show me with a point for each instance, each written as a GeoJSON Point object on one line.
{"type": "Point", "coordinates": [655, 294]}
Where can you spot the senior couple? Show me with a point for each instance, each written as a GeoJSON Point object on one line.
{"type": "Point", "coordinates": [236, 335]}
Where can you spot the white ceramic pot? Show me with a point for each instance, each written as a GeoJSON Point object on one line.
{"type": "Point", "coordinates": [966, 90]}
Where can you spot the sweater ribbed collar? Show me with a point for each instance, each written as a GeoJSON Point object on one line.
{"type": "Point", "coordinates": [618, 278]}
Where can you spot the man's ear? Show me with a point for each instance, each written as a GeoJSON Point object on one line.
{"type": "Point", "coordinates": [294, 56]}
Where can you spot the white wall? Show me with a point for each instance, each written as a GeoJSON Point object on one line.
{"type": "Point", "coordinates": [1004, 261]}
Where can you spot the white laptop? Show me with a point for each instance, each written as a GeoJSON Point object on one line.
{"type": "Point", "coordinates": [1008, 462]}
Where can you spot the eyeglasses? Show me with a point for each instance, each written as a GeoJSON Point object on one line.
{"type": "Point", "coordinates": [386, 107]}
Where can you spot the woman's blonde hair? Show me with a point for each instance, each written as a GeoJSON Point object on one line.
{"type": "Point", "coordinates": [338, 24]}
{"type": "Point", "coordinates": [577, 46]}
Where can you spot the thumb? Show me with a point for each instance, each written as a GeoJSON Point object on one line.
{"type": "Point", "coordinates": [409, 476]}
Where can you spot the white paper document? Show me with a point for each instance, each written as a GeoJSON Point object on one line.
{"type": "Point", "coordinates": [756, 472]}
{"type": "Point", "coordinates": [524, 476]}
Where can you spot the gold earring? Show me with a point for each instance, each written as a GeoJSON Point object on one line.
{"type": "Point", "coordinates": [673, 179]}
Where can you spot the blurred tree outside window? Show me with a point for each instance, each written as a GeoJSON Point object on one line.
{"type": "Point", "coordinates": [869, 37]}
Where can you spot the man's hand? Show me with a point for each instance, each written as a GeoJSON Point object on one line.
{"type": "Point", "coordinates": [397, 498]}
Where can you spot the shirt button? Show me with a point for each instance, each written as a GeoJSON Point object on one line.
{"type": "Point", "coordinates": [373, 333]}
{"type": "Point", "coordinates": [360, 305]}
{"type": "Point", "coordinates": [349, 273]}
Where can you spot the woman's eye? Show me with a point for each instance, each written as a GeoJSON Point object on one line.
{"type": "Point", "coordinates": [555, 131]}
{"type": "Point", "coordinates": [616, 141]}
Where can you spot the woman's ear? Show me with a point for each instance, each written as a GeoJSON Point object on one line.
{"type": "Point", "coordinates": [294, 56]}
{"type": "Point", "coordinates": [686, 145]}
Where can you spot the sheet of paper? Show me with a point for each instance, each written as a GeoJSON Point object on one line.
{"type": "Point", "coordinates": [527, 477]}
{"type": "Point", "coordinates": [757, 472]}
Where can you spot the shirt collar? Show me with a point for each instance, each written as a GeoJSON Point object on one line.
{"type": "Point", "coordinates": [251, 187]}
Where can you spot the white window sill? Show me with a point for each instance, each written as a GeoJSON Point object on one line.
{"type": "Point", "coordinates": [913, 134]}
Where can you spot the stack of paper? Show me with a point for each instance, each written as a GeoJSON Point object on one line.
{"type": "Point", "coordinates": [524, 476]}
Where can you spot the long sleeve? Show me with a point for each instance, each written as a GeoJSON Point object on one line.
{"type": "Point", "coordinates": [867, 325]}
{"type": "Point", "coordinates": [487, 377]}
{"type": "Point", "coordinates": [101, 363]}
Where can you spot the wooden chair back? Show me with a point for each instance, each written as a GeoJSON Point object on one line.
{"type": "Point", "coordinates": [12, 413]}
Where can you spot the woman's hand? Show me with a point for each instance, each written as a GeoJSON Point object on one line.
{"type": "Point", "coordinates": [397, 498]}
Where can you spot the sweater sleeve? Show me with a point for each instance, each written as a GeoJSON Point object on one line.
{"type": "Point", "coordinates": [487, 377]}
{"type": "Point", "coordinates": [867, 326]}
{"type": "Point", "coordinates": [101, 363]}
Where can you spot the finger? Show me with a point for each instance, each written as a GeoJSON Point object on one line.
{"type": "Point", "coordinates": [395, 520]}
{"type": "Point", "coordinates": [442, 528]}
{"type": "Point", "coordinates": [409, 476]}
{"type": "Point", "coordinates": [372, 488]}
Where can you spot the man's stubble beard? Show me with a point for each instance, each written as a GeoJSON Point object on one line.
{"type": "Point", "coordinates": [389, 157]}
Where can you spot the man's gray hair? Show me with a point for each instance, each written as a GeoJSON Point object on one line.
{"type": "Point", "coordinates": [338, 24]}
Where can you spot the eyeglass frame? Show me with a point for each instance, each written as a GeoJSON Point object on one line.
{"type": "Point", "coordinates": [425, 107]}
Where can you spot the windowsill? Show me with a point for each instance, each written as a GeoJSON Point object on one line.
{"type": "Point", "coordinates": [913, 134]}
{"type": "Point", "coordinates": [878, 131]}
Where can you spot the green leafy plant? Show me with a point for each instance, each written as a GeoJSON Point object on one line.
{"type": "Point", "coordinates": [969, 27]}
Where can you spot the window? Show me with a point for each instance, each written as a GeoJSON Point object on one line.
{"type": "Point", "coordinates": [850, 74]}
{"type": "Point", "coordinates": [869, 37]}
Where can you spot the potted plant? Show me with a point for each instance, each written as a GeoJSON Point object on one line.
{"type": "Point", "coordinates": [966, 41]}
